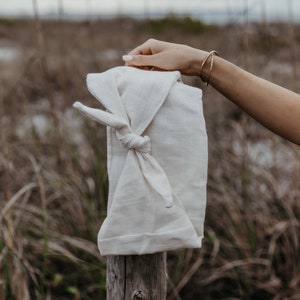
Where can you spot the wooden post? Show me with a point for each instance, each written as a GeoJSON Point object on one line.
{"type": "Point", "coordinates": [136, 277]}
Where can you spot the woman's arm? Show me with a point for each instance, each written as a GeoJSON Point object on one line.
{"type": "Point", "coordinates": [275, 107]}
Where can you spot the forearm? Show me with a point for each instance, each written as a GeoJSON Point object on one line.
{"type": "Point", "coordinates": [275, 107]}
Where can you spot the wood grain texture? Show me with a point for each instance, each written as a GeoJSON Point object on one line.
{"type": "Point", "coordinates": [137, 277]}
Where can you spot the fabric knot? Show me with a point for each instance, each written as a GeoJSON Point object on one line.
{"type": "Point", "coordinates": [136, 142]}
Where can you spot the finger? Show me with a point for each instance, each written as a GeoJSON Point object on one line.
{"type": "Point", "coordinates": [147, 48]}
{"type": "Point", "coordinates": [140, 60]}
{"type": "Point", "coordinates": [141, 51]}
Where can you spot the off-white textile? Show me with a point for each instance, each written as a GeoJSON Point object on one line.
{"type": "Point", "coordinates": [156, 159]}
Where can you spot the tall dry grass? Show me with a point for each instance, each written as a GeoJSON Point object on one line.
{"type": "Point", "coordinates": [53, 166]}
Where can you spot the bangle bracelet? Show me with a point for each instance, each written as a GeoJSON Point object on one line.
{"type": "Point", "coordinates": [210, 56]}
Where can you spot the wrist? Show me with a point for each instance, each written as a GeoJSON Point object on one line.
{"type": "Point", "coordinates": [197, 58]}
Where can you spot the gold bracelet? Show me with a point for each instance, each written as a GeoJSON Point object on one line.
{"type": "Point", "coordinates": [210, 55]}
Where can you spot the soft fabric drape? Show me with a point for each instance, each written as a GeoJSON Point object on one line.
{"type": "Point", "coordinates": [156, 160]}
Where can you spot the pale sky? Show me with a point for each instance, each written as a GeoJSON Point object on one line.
{"type": "Point", "coordinates": [273, 8]}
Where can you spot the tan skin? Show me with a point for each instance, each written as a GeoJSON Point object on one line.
{"type": "Point", "coordinates": [275, 107]}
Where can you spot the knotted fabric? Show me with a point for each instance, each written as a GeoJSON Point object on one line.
{"type": "Point", "coordinates": [136, 142]}
{"type": "Point", "coordinates": [157, 160]}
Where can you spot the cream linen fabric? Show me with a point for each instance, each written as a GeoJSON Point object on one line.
{"type": "Point", "coordinates": [156, 159]}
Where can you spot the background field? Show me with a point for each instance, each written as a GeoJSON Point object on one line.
{"type": "Point", "coordinates": [53, 186]}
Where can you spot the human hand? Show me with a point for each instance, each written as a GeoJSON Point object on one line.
{"type": "Point", "coordinates": [159, 55]}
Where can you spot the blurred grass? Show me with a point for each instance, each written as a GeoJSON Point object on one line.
{"type": "Point", "coordinates": [180, 25]}
{"type": "Point", "coordinates": [54, 185]}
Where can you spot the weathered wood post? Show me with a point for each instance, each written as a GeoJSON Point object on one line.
{"type": "Point", "coordinates": [136, 277]}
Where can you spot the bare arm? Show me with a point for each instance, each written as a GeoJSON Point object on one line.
{"type": "Point", "coordinates": [275, 107]}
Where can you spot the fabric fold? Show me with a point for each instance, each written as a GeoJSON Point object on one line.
{"type": "Point", "coordinates": [157, 160]}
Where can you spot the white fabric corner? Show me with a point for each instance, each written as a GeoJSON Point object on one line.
{"type": "Point", "coordinates": [157, 160]}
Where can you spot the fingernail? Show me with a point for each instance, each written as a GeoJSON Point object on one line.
{"type": "Point", "coordinates": [127, 57]}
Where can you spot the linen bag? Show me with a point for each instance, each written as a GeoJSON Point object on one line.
{"type": "Point", "coordinates": [156, 160]}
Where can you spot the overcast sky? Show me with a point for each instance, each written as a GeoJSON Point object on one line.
{"type": "Point", "coordinates": [277, 9]}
